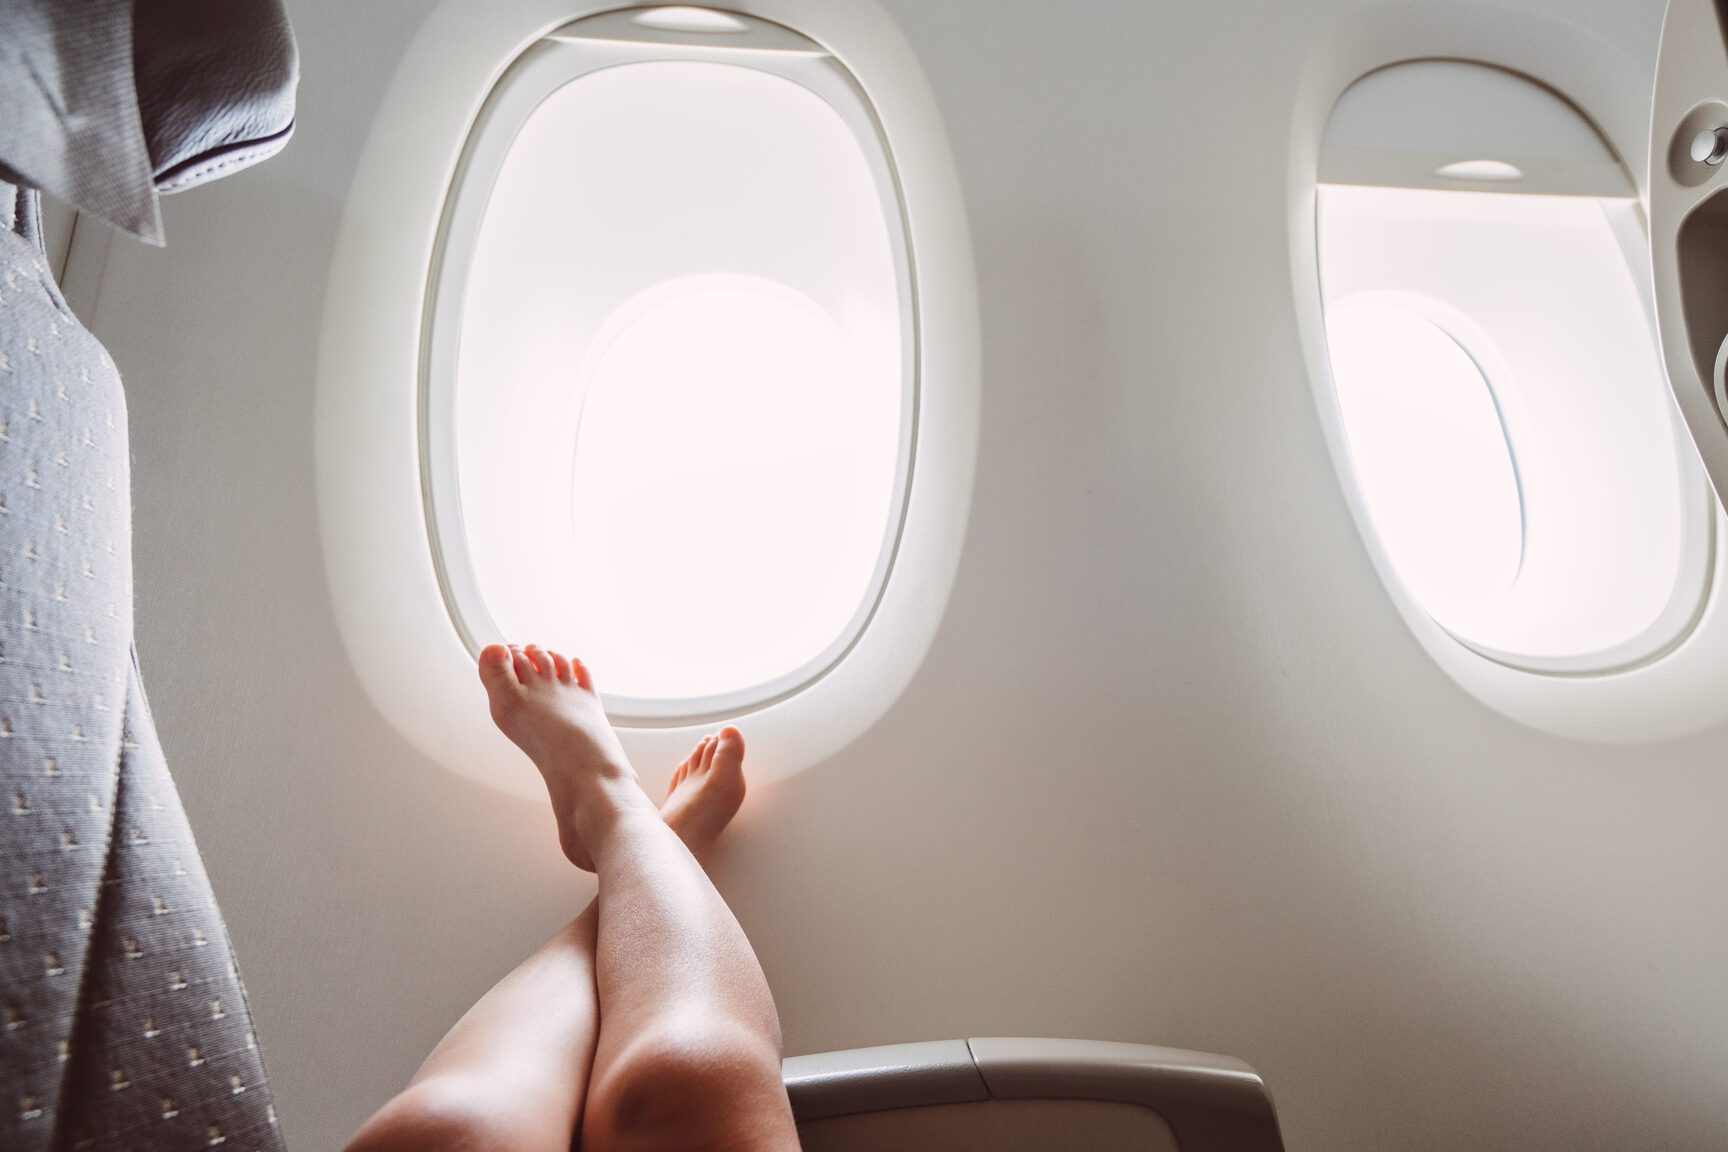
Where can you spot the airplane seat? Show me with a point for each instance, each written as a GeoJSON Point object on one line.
{"type": "Point", "coordinates": [1029, 1095]}
{"type": "Point", "coordinates": [125, 1024]}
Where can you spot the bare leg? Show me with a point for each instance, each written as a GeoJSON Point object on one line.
{"type": "Point", "coordinates": [513, 1073]}
{"type": "Point", "coordinates": [688, 1054]}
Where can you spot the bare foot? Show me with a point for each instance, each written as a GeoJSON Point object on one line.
{"type": "Point", "coordinates": [545, 703]}
{"type": "Point", "coordinates": [706, 790]}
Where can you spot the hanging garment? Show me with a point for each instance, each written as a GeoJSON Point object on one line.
{"type": "Point", "coordinates": [123, 1023]}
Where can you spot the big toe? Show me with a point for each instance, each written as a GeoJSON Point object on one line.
{"type": "Point", "coordinates": [498, 674]}
{"type": "Point", "coordinates": [723, 772]}
{"type": "Point", "coordinates": [728, 753]}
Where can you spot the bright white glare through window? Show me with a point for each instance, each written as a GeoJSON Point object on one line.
{"type": "Point", "coordinates": [729, 490]}
{"type": "Point", "coordinates": [1431, 457]}
{"type": "Point", "coordinates": [682, 383]}
{"type": "Point", "coordinates": [1508, 420]}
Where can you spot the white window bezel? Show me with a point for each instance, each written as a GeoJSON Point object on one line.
{"type": "Point", "coordinates": [1681, 690]}
{"type": "Point", "coordinates": [385, 595]}
{"type": "Point", "coordinates": [565, 56]}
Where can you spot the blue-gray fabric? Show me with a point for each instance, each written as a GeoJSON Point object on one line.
{"type": "Point", "coordinates": [70, 123]}
{"type": "Point", "coordinates": [124, 1026]}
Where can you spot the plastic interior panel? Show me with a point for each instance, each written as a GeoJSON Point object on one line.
{"type": "Point", "coordinates": [1399, 125]}
{"type": "Point", "coordinates": [1212, 1103]}
{"type": "Point", "coordinates": [1689, 220]}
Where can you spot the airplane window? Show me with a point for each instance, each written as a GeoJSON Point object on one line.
{"type": "Point", "coordinates": [1496, 373]}
{"type": "Point", "coordinates": [671, 379]}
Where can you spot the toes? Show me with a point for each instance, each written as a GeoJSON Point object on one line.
{"type": "Point", "coordinates": [533, 660]}
{"type": "Point", "coordinates": [498, 669]}
{"type": "Point", "coordinates": [709, 744]}
{"type": "Point", "coordinates": [692, 763]}
{"type": "Point", "coordinates": [521, 664]}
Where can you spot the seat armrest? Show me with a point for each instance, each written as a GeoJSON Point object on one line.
{"type": "Point", "coordinates": [879, 1079]}
{"type": "Point", "coordinates": [1211, 1103]}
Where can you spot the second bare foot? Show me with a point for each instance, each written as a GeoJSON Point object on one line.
{"type": "Point", "coordinates": [706, 790]}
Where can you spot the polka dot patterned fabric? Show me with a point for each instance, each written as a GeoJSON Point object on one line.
{"type": "Point", "coordinates": [123, 1022]}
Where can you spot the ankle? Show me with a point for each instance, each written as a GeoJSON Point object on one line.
{"type": "Point", "coordinates": [608, 802]}
{"type": "Point", "coordinates": [579, 753]}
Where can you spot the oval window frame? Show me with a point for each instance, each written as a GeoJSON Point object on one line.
{"type": "Point", "coordinates": [395, 630]}
{"type": "Point", "coordinates": [566, 56]}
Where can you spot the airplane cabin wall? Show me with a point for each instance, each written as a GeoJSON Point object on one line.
{"type": "Point", "coordinates": [1174, 770]}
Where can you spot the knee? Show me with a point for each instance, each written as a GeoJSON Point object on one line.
{"type": "Point", "coordinates": [687, 1086]}
{"type": "Point", "coordinates": [441, 1114]}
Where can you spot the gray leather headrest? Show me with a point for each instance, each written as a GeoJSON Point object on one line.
{"type": "Point", "coordinates": [105, 102]}
{"type": "Point", "coordinates": [215, 81]}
